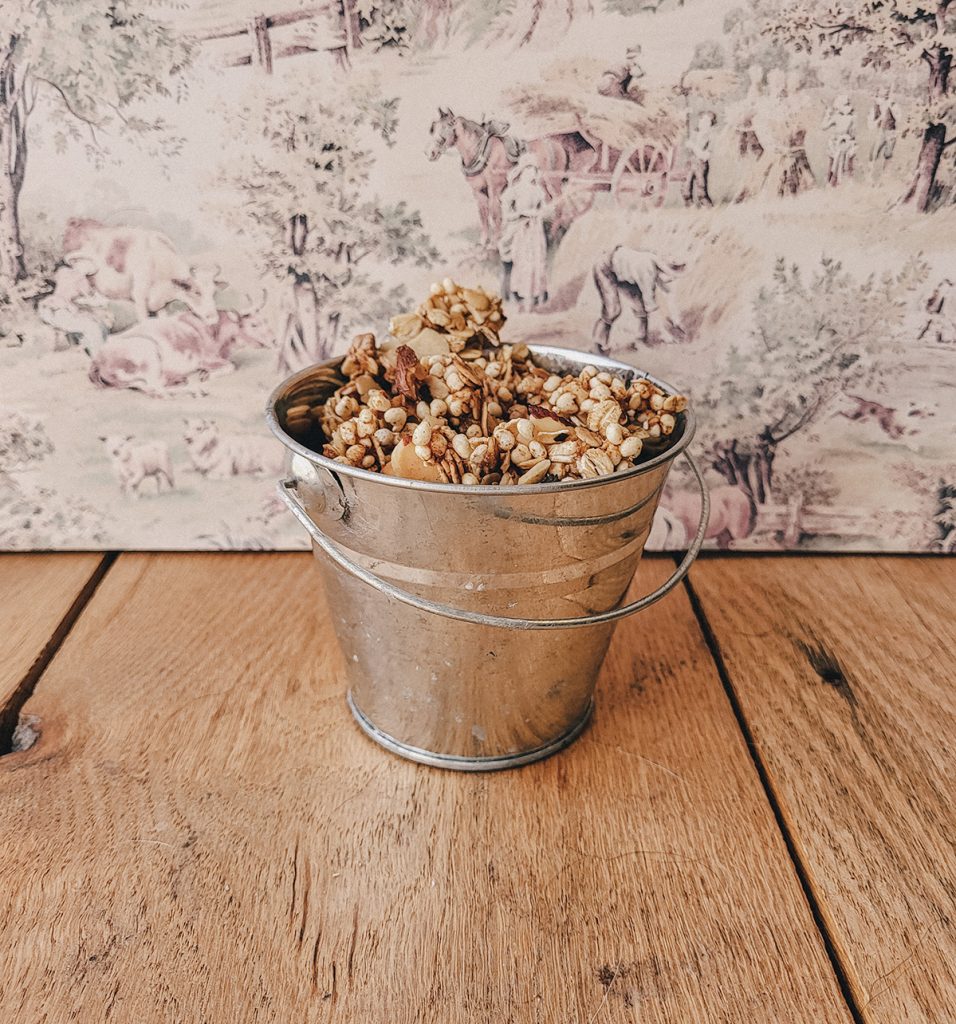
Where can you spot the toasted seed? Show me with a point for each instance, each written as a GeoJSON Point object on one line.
{"type": "Point", "coordinates": [470, 479]}
{"type": "Point", "coordinates": [595, 462]}
{"type": "Point", "coordinates": [461, 446]}
{"type": "Point", "coordinates": [423, 433]}
{"type": "Point", "coordinates": [614, 433]}
{"type": "Point", "coordinates": [396, 418]}
{"type": "Point", "coordinates": [505, 439]}
{"type": "Point", "coordinates": [566, 403]}
{"type": "Point", "coordinates": [525, 429]}
{"type": "Point", "coordinates": [608, 410]}
{"type": "Point", "coordinates": [437, 387]}
{"type": "Point", "coordinates": [521, 453]}
{"type": "Point", "coordinates": [631, 447]}
{"type": "Point", "coordinates": [536, 473]}
{"type": "Point", "coordinates": [378, 400]}
{"type": "Point", "coordinates": [589, 437]}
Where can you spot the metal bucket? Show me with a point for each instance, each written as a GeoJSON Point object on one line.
{"type": "Point", "coordinates": [474, 620]}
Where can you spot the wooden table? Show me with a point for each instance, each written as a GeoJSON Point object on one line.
{"type": "Point", "coordinates": [758, 826]}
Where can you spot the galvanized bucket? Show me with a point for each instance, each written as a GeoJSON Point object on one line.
{"type": "Point", "coordinates": [474, 620]}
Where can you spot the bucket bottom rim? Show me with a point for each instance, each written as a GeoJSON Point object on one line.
{"type": "Point", "coordinates": [457, 762]}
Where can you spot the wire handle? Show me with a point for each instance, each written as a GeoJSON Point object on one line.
{"type": "Point", "coordinates": [289, 494]}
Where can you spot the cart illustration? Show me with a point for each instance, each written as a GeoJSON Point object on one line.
{"type": "Point", "coordinates": [634, 146]}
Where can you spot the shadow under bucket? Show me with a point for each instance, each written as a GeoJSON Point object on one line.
{"type": "Point", "coordinates": [473, 620]}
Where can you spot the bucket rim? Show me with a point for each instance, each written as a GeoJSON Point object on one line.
{"type": "Point", "coordinates": [558, 486]}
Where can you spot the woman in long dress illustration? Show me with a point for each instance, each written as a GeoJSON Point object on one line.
{"type": "Point", "coordinates": [524, 246]}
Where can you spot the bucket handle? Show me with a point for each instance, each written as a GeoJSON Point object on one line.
{"type": "Point", "coordinates": [288, 493]}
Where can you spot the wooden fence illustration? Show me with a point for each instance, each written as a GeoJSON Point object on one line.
{"type": "Point", "coordinates": [795, 519]}
{"type": "Point", "coordinates": [332, 27]}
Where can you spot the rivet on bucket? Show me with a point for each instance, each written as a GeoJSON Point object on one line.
{"type": "Point", "coordinates": [474, 620]}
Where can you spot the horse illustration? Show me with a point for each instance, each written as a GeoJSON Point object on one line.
{"type": "Point", "coordinates": [488, 152]}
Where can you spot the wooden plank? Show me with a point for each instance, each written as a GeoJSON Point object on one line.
{"type": "Point", "coordinates": [36, 593]}
{"type": "Point", "coordinates": [204, 835]}
{"type": "Point", "coordinates": [262, 44]}
{"type": "Point", "coordinates": [844, 670]}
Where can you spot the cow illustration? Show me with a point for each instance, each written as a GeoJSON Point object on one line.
{"type": "Point", "coordinates": [732, 513]}
{"type": "Point", "coordinates": [134, 464]}
{"type": "Point", "coordinates": [165, 353]}
{"type": "Point", "coordinates": [219, 457]}
{"type": "Point", "coordinates": [142, 266]}
{"type": "Point", "coordinates": [667, 532]}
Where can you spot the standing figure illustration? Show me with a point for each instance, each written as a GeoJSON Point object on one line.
{"type": "Point", "coordinates": [699, 142]}
{"type": "Point", "coordinates": [523, 247]}
{"type": "Point", "coordinates": [620, 82]}
{"type": "Point", "coordinates": [642, 279]}
{"type": "Point", "coordinates": [883, 122]}
{"type": "Point", "coordinates": [840, 122]}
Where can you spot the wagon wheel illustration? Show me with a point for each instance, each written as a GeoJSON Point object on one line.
{"type": "Point", "coordinates": [642, 171]}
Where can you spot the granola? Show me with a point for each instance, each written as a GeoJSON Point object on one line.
{"type": "Point", "coordinates": [445, 400]}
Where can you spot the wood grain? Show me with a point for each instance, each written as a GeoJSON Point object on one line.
{"type": "Point", "coordinates": [844, 669]}
{"type": "Point", "coordinates": [36, 593]}
{"type": "Point", "coordinates": [203, 835]}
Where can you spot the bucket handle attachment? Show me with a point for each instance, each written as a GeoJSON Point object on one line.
{"type": "Point", "coordinates": [288, 493]}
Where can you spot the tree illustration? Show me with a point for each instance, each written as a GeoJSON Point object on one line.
{"type": "Point", "coordinates": [933, 527]}
{"type": "Point", "coordinates": [35, 517]}
{"type": "Point", "coordinates": [517, 21]}
{"type": "Point", "coordinates": [300, 164]}
{"type": "Point", "coordinates": [94, 61]}
{"type": "Point", "coordinates": [887, 35]}
{"type": "Point", "coordinates": [813, 340]}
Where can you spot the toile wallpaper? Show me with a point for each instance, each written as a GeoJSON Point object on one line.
{"type": "Point", "coordinates": [753, 199]}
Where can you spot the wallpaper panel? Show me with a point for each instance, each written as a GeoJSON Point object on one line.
{"type": "Point", "coordinates": [755, 201]}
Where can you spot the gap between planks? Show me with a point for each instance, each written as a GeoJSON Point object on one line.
{"type": "Point", "coordinates": [10, 711]}
{"type": "Point", "coordinates": [713, 645]}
